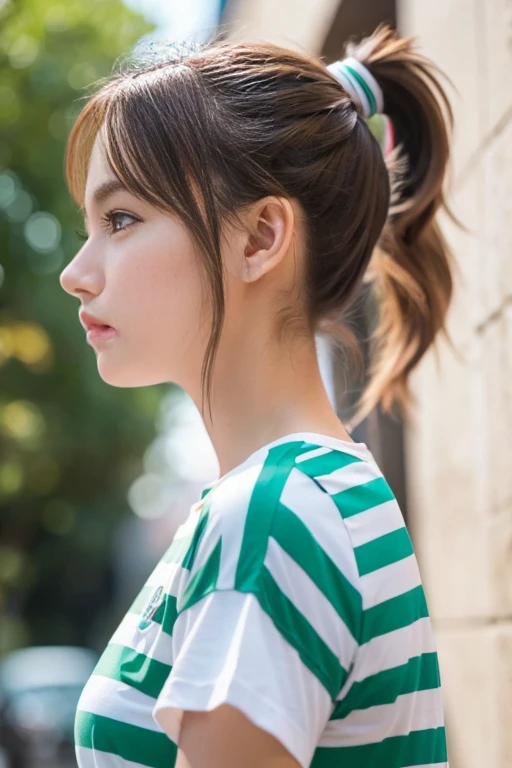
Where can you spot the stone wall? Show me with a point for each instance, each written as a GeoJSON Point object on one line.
{"type": "Point", "coordinates": [298, 24]}
{"type": "Point", "coordinates": [459, 441]}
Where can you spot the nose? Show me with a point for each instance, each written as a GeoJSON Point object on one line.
{"type": "Point", "coordinates": [81, 276]}
{"type": "Point", "coordinates": [68, 279]}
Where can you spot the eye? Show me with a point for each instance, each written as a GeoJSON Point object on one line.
{"type": "Point", "coordinates": [112, 216]}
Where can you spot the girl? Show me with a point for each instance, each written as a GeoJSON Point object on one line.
{"type": "Point", "coordinates": [235, 199]}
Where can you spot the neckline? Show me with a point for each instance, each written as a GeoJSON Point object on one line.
{"type": "Point", "coordinates": [315, 438]}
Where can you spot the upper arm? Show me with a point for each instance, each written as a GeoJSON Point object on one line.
{"type": "Point", "coordinates": [226, 738]}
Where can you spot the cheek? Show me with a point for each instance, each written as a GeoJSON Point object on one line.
{"type": "Point", "coordinates": [159, 290]}
{"type": "Point", "coordinates": [154, 295]}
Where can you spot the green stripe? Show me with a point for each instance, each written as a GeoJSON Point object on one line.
{"type": "Point", "coordinates": [206, 490]}
{"type": "Point", "coordinates": [364, 85]}
{"type": "Point", "coordinates": [383, 551]}
{"type": "Point", "coordinates": [297, 630]}
{"type": "Point", "coordinates": [298, 541]}
{"type": "Point", "coordinates": [151, 748]}
{"type": "Point", "coordinates": [418, 748]}
{"type": "Point", "coordinates": [420, 673]}
{"type": "Point", "coordinates": [326, 463]}
{"type": "Point", "coordinates": [204, 580]}
{"type": "Point", "coordinates": [166, 612]}
{"type": "Point", "coordinates": [260, 514]}
{"type": "Point", "coordinates": [361, 497]}
{"type": "Point", "coordinates": [190, 554]}
{"type": "Point", "coordinates": [134, 669]}
{"type": "Point", "coordinates": [394, 614]}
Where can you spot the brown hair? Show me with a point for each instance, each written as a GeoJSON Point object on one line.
{"type": "Point", "coordinates": [205, 134]}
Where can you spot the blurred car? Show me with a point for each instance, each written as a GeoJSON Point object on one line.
{"type": "Point", "coordinates": [39, 691]}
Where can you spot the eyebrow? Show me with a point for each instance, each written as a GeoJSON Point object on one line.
{"type": "Point", "coordinates": [104, 191]}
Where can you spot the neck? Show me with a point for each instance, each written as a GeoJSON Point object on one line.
{"type": "Point", "coordinates": [262, 393]}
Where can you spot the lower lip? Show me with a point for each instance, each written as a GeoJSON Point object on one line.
{"type": "Point", "coordinates": [101, 333]}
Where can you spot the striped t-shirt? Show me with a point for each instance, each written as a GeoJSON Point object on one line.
{"type": "Point", "coordinates": [291, 592]}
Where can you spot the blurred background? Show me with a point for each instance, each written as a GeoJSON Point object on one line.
{"type": "Point", "coordinates": [94, 480]}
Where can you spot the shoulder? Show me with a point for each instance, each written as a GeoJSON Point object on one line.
{"type": "Point", "coordinates": [291, 474]}
{"type": "Point", "coordinates": [282, 516]}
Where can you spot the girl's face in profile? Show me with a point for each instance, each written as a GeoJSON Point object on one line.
{"type": "Point", "coordinates": [138, 272]}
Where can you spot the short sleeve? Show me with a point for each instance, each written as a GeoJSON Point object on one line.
{"type": "Point", "coordinates": [268, 615]}
{"type": "Point", "coordinates": [228, 650]}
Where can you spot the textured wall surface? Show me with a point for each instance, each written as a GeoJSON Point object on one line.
{"type": "Point", "coordinates": [297, 24]}
{"type": "Point", "coordinates": [459, 445]}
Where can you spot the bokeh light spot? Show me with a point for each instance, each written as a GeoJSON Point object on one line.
{"type": "Point", "coordinates": [11, 478]}
{"type": "Point", "coordinates": [9, 185]}
{"type": "Point", "coordinates": [20, 207]}
{"type": "Point", "coordinates": [43, 231]}
{"type": "Point", "coordinates": [22, 419]}
{"type": "Point", "coordinates": [22, 51]}
{"type": "Point", "coordinates": [31, 343]}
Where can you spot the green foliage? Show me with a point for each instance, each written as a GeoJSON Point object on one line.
{"type": "Point", "coordinates": [69, 444]}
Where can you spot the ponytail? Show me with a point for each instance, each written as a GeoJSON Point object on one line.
{"type": "Point", "coordinates": [411, 266]}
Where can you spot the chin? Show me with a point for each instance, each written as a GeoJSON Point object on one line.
{"type": "Point", "coordinates": [125, 377]}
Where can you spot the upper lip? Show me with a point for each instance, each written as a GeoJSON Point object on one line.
{"type": "Point", "coordinates": [88, 320]}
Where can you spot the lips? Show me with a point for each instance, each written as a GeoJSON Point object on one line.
{"type": "Point", "coordinates": [98, 334]}
{"type": "Point", "coordinates": [90, 322]}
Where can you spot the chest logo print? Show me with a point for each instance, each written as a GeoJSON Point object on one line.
{"type": "Point", "coordinates": [151, 608]}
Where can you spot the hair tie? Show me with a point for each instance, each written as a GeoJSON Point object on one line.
{"type": "Point", "coordinates": [359, 82]}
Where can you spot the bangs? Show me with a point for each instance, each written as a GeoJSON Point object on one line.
{"type": "Point", "coordinates": [80, 143]}
{"type": "Point", "coordinates": [152, 145]}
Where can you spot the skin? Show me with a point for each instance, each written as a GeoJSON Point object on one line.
{"type": "Point", "coordinates": [144, 281]}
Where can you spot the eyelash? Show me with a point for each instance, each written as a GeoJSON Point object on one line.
{"type": "Point", "coordinates": [107, 223]}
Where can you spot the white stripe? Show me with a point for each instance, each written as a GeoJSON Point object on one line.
{"type": "Point", "coordinates": [320, 515]}
{"type": "Point", "coordinates": [187, 528]}
{"type": "Point", "coordinates": [228, 512]}
{"type": "Point", "coordinates": [350, 476]}
{"type": "Point", "coordinates": [392, 650]}
{"type": "Point", "coordinates": [209, 541]}
{"type": "Point", "coordinates": [390, 581]}
{"type": "Point", "coordinates": [152, 642]}
{"type": "Point", "coordinates": [91, 758]}
{"type": "Point", "coordinates": [310, 602]}
{"type": "Point", "coordinates": [429, 765]}
{"type": "Point", "coordinates": [374, 522]}
{"type": "Point", "coordinates": [313, 454]}
{"type": "Point", "coordinates": [416, 711]}
{"type": "Point", "coordinates": [110, 698]}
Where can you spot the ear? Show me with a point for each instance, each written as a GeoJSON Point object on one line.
{"type": "Point", "coordinates": [271, 226]}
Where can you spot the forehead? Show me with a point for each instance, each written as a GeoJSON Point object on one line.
{"type": "Point", "coordinates": [101, 182]}
{"type": "Point", "coordinates": [98, 170]}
